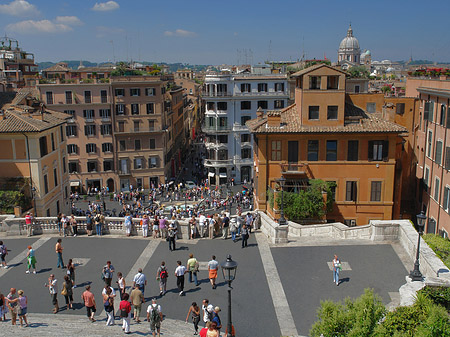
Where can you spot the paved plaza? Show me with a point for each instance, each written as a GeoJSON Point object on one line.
{"type": "Point", "coordinates": [277, 290]}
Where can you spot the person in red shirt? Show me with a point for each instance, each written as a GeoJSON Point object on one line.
{"type": "Point", "coordinates": [28, 222]}
{"type": "Point", "coordinates": [204, 331]}
{"type": "Point", "coordinates": [125, 310]}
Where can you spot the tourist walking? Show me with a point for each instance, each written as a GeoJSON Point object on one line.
{"type": "Point", "coordinates": [137, 299]}
{"type": "Point", "coordinates": [121, 284]}
{"type": "Point", "coordinates": [89, 226]}
{"type": "Point", "coordinates": [244, 236]}
{"type": "Point", "coordinates": [67, 291]}
{"type": "Point", "coordinates": [233, 229]}
{"type": "Point", "coordinates": [202, 224]}
{"type": "Point", "coordinates": [194, 309]}
{"type": "Point", "coordinates": [52, 286]}
{"type": "Point", "coordinates": [74, 225]}
{"type": "Point", "coordinates": [336, 268]}
{"type": "Point", "coordinates": [128, 221]}
{"type": "Point", "coordinates": [3, 253]}
{"type": "Point", "coordinates": [161, 276]}
{"type": "Point", "coordinates": [216, 319]}
{"type": "Point", "coordinates": [59, 250]}
{"type": "Point", "coordinates": [213, 266]}
{"type": "Point", "coordinates": [145, 223]}
{"type": "Point", "coordinates": [163, 227]}
{"type": "Point", "coordinates": [192, 227]}
{"type": "Point", "coordinates": [211, 224]}
{"type": "Point", "coordinates": [179, 273]}
{"type": "Point", "coordinates": [108, 303]}
{"type": "Point", "coordinates": [125, 313]}
{"type": "Point", "coordinates": [71, 272]}
{"type": "Point", "coordinates": [171, 237]}
{"type": "Point", "coordinates": [59, 223]}
{"type": "Point", "coordinates": [66, 227]}
{"type": "Point", "coordinates": [108, 271]}
{"type": "Point", "coordinates": [31, 260]}
{"type": "Point", "coordinates": [192, 266]}
{"type": "Point", "coordinates": [225, 226]}
{"type": "Point", "coordinates": [89, 302]}
{"type": "Point", "coordinates": [98, 223]}
{"type": "Point", "coordinates": [29, 223]}
{"type": "Point", "coordinates": [140, 280]}
{"type": "Point", "coordinates": [208, 311]}
{"type": "Point", "coordinates": [13, 305]}
{"type": "Point", "coordinates": [155, 317]}
{"type": "Point", "coordinates": [155, 227]}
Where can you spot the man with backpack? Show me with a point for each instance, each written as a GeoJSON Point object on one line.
{"type": "Point", "coordinates": [155, 317]}
{"type": "Point", "coordinates": [161, 276]}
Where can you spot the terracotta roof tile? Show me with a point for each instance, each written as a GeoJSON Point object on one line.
{"type": "Point", "coordinates": [15, 121]}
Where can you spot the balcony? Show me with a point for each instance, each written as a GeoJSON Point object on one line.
{"type": "Point", "coordinates": [240, 128]}
{"type": "Point", "coordinates": [217, 163]}
{"type": "Point", "coordinates": [294, 168]}
{"type": "Point", "coordinates": [215, 128]}
{"type": "Point", "coordinates": [140, 131]}
{"type": "Point", "coordinates": [70, 120]}
{"type": "Point", "coordinates": [106, 119]}
{"type": "Point", "coordinates": [216, 94]}
{"type": "Point", "coordinates": [262, 93]}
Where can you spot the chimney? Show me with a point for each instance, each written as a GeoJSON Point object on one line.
{"type": "Point", "coordinates": [259, 112]}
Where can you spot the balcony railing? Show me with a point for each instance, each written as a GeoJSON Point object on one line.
{"type": "Point", "coordinates": [217, 162]}
{"type": "Point", "coordinates": [261, 93]}
{"type": "Point", "coordinates": [216, 94]}
{"type": "Point", "coordinates": [294, 168]}
{"type": "Point", "coordinates": [140, 130]}
{"type": "Point", "coordinates": [216, 128]}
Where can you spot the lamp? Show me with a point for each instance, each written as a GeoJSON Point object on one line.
{"type": "Point", "coordinates": [416, 275]}
{"type": "Point", "coordinates": [282, 220]}
{"type": "Point", "coordinates": [229, 273]}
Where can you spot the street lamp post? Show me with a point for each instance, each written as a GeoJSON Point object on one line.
{"type": "Point", "coordinates": [282, 220]}
{"type": "Point", "coordinates": [229, 273]}
{"type": "Point", "coordinates": [230, 193]}
{"type": "Point", "coordinates": [416, 275]}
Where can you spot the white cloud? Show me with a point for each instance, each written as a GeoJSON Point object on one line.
{"type": "Point", "coordinates": [103, 31]}
{"type": "Point", "coordinates": [35, 27]}
{"type": "Point", "coordinates": [105, 6]}
{"type": "Point", "coordinates": [68, 20]}
{"type": "Point", "coordinates": [19, 8]}
{"type": "Point", "coordinates": [180, 33]}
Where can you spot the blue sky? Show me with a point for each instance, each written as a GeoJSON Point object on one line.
{"type": "Point", "coordinates": [217, 32]}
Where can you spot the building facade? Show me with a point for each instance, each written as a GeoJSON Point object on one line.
{"type": "Point", "coordinates": [349, 50]}
{"type": "Point", "coordinates": [230, 101]}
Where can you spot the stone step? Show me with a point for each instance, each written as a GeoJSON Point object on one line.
{"type": "Point", "coordinates": [61, 325]}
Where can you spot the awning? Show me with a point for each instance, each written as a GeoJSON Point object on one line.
{"type": "Point", "coordinates": [222, 175]}
{"type": "Point", "coordinates": [211, 174]}
{"type": "Point", "coordinates": [74, 183]}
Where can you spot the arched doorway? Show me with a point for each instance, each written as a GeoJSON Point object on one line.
{"type": "Point", "coordinates": [110, 184]}
{"type": "Point", "coordinates": [245, 174]}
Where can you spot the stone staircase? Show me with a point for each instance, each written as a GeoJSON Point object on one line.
{"type": "Point", "coordinates": [61, 325]}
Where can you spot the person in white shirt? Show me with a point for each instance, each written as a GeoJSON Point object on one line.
{"type": "Point", "coordinates": [53, 289]}
{"type": "Point", "coordinates": [207, 311]}
{"type": "Point", "coordinates": [155, 317]}
{"type": "Point", "coordinates": [202, 224]}
{"type": "Point", "coordinates": [179, 273]}
{"type": "Point", "coordinates": [140, 280]}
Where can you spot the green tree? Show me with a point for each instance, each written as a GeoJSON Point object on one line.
{"type": "Point", "coordinates": [358, 72]}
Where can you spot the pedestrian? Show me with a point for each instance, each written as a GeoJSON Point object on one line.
{"type": "Point", "coordinates": [336, 268]}
{"type": "Point", "coordinates": [213, 266]}
{"type": "Point", "coordinates": [31, 260]}
{"type": "Point", "coordinates": [71, 272]}
{"type": "Point", "coordinates": [216, 319]}
{"type": "Point", "coordinates": [249, 221]}
{"type": "Point", "coordinates": [204, 331]}
{"type": "Point", "coordinates": [29, 223]}
{"type": "Point", "coordinates": [59, 250]}
{"type": "Point", "coordinates": [58, 221]}
{"type": "Point", "coordinates": [128, 220]}
{"type": "Point", "coordinates": [155, 317]}
{"type": "Point", "coordinates": [195, 311]}
{"type": "Point", "coordinates": [192, 266]}
{"type": "Point", "coordinates": [233, 229]}
{"type": "Point", "coordinates": [212, 330]}
{"type": "Point", "coordinates": [121, 284]}
{"type": "Point", "coordinates": [74, 225]}
{"type": "Point", "coordinates": [108, 271]}
{"type": "Point", "coordinates": [163, 227]}
{"type": "Point", "coordinates": [145, 223]}
{"type": "Point", "coordinates": [89, 227]}
{"type": "Point", "coordinates": [207, 310]}
{"type": "Point", "coordinates": [125, 313]}
{"type": "Point", "coordinates": [202, 224]}
{"type": "Point", "coordinates": [89, 302]}
{"type": "Point", "coordinates": [3, 307]}
{"type": "Point", "coordinates": [108, 303]}
{"type": "Point", "coordinates": [3, 253]}
{"type": "Point", "coordinates": [53, 290]}
{"type": "Point", "coordinates": [67, 291]}
{"type": "Point", "coordinates": [161, 276]}
{"type": "Point", "coordinates": [192, 227]}
{"type": "Point", "coordinates": [155, 227]}
{"type": "Point", "coordinates": [137, 298]}
{"type": "Point", "coordinates": [225, 226]}
{"type": "Point", "coordinates": [65, 224]}
{"type": "Point", "coordinates": [98, 224]}
{"type": "Point", "coordinates": [140, 280]}
{"type": "Point", "coordinates": [13, 305]}
{"type": "Point", "coordinates": [239, 223]}
{"type": "Point", "coordinates": [212, 224]}
{"type": "Point", "coordinates": [179, 273]}
{"type": "Point", "coordinates": [244, 235]}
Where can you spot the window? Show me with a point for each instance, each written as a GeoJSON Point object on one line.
{"type": "Point", "coordinates": [152, 143]}
{"type": "Point", "coordinates": [222, 139]}
{"type": "Point", "coordinates": [103, 96]}
{"type": "Point", "coordinates": [122, 145]}
{"type": "Point", "coordinates": [357, 89]}
{"type": "Point", "coordinates": [61, 132]}
{"type": "Point", "coordinates": [246, 87]}
{"type": "Point", "coordinates": [68, 97]}
{"type": "Point", "coordinates": [72, 149]}
{"type": "Point", "coordinates": [244, 119]}
{"type": "Point", "coordinates": [350, 191]}
{"type": "Point", "coordinates": [135, 109]}
{"type": "Point", "coordinates": [121, 126]}
{"type": "Point", "coordinates": [70, 112]}
{"type": "Point", "coordinates": [89, 114]}
{"type": "Point", "coordinates": [135, 92]}
{"type": "Point", "coordinates": [150, 108]}
{"type": "Point", "coordinates": [279, 87]}
{"type": "Point", "coordinates": [246, 153]}
{"type": "Point", "coordinates": [371, 107]}
{"type": "Point", "coordinates": [150, 92]}
{"type": "Point", "coordinates": [105, 113]}
{"type": "Point", "coordinates": [210, 105]}
{"type": "Point", "coordinates": [426, 178]}
{"type": "Point", "coordinates": [332, 112]}
{"type": "Point", "coordinates": [153, 162]}
{"type": "Point", "coordinates": [138, 163]}
{"type": "Point", "coordinates": [428, 111]}
{"type": "Point", "coordinates": [313, 150]}
{"type": "Point", "coordinates": [293, 151]}
{"type": "Point", "coordinates": [137, 144]}
{"type": "Point", "coordinates": [246, 105]}
{"type": "Point", "coordinates": [92, 166]}
{"type": "Point", "coordinates": [313, 112]}
{"type": "Point", "coordinates": [262, 87]}
{"type": "Point", "coordinates": [120, 109]}
{"type": "Point", "coordinates": [108, 165]}
{"type": "Point", "coordinates": [446, 198]}
{"type": "Point", "coordinates": [49, 96]}
{"type": "Point", "coordinates": [52, 140]}
{"type": "Point", "coordinates": [378, 150]}
{"type": "Point", "coordinates": [448, 117]}
{"type": "Point", "coordinates": [352, 150]}
{"type": "Point", "coordinates": [221, 89]}
{"type": "Point", "coordinates": [278, 104]}
{"type": "Point", "coordinates": [314, 82]}
{"type": "Point", "coordinates": [119, 92]}
{"type": "Point", "coordinates": [331, 150]}
{"type": "Point", "coordinates": [400, 108]}
{"type": "Point", "coordinates": [91, 148]}
{"type": "Point", "coordinates": [263, 105]}
{"type": "Point", "coordinates": [151, 125]}
{"type": "Point", "coordinates": [87, 97]}
{"type": "Point", "coordinates": [375, 191]}
{"type": "Point", "coordinates": [64, 164]}
{"type": "Point", "coordinates": [332, 82]}
{"type": "Point", "coordinates": [447, 158]}
{"type": "Point", "coordinates": [245, 137]}
{"type": "Point", "coordinates": [43, 146]}
{"type": "Point", "coordinates": [443, 110]}
{"type": "Point", "coordinates": [136, 126]}
{"type": "Point", "coordinates": [45, 184]}
{"type": "Point", "coordinates": [89, 130]}
{"type": "Point", "coordinates": [276, 150]}
{"type": "Point", "coordinates": [222, 106]}
{"type": "Point", "coordinates": [107, 147]}
{"type": "Point", "coordinates": [429, 143]}
{"type": "Point", "coordinates": [73, 167]}
{"type": "Point", "coordinates": [438, 152]}
{"type": "Point", "coordinates": [55, 177]}
{"type": "Point", "coordinates": [437, 184]}
{"type": "Point", "coordinates": [222, 154]}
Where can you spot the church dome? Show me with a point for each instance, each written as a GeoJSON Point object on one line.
{"type": "Point", "coordinates": [349, 42]}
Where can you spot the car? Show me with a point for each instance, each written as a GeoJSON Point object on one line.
{"type": "Point", "coordinates": [190, 184]}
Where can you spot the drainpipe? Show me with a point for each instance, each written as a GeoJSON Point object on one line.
{"type": "Point", "coordinates": [31, 177]}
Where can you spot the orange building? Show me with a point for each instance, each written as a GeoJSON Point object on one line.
{"type": "Point", "coordinates": [321, 136]}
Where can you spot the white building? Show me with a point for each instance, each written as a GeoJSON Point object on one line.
{"type": "Point", "coordinates": [349, 51]}
{"type": "Point", "coordinates": [231, 100]}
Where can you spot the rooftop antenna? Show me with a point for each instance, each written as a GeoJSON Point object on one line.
{"type": "Point", "coordinates": [114, 55]}
{"type": "Point", "coordinates": [270, 51]}
{"type": "Point", "coordinates": [303, 49]}
{"type": "Point", "coordinates": [126, 43]}
{"type": "Point", "coordinates": [251, 57]}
